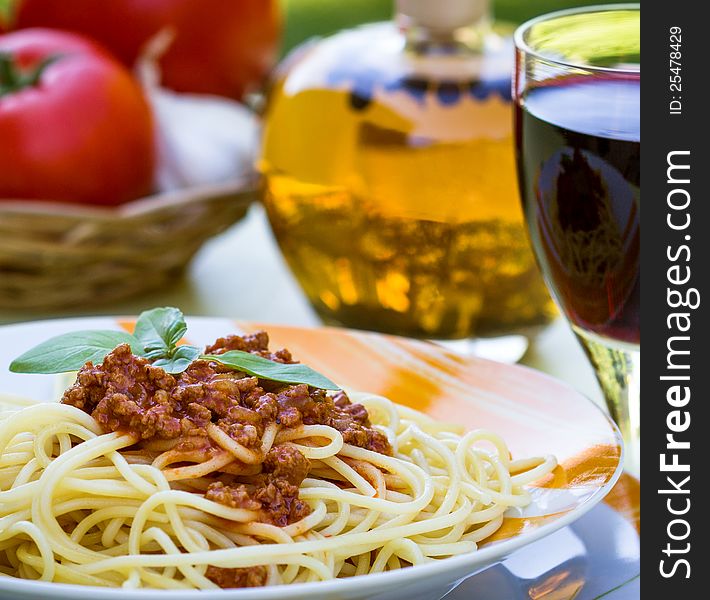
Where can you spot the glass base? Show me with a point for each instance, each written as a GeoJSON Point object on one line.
{"type": "Point", "coordinates": [618, 369]}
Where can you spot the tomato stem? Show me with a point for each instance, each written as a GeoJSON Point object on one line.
{"type": "Point", "coordinates": [13, 79]}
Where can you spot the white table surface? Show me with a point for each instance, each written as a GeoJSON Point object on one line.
{"type": "Point", "coordinates": [240, 274]}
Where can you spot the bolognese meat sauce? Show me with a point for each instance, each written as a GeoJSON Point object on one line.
{"type": "Point", "coordinates": [127, 393]}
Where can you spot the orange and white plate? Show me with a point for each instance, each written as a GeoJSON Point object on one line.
{"type": "Point", "coordinates": [535, 414]}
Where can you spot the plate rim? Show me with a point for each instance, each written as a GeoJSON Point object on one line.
{"type": "Point", "coordinates": [476, 561]}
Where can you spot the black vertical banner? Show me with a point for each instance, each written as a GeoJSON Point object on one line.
{"type": "Point", "coordinates": [675, 169]}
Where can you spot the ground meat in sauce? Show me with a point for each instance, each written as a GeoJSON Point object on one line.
{"type": "Point", "coordinates": [274, 492]}
{"type": "Point", "coordinates": [256, 343]}
{"type": "Point", "coordinates": [237, 578]}
{"type": "Point", "coordinates": [127, 393]}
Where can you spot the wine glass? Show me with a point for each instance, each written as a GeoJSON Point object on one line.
{"type": "Point", "coordinates": [577, 101]}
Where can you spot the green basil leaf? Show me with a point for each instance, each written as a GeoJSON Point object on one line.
{"type": "Point", "coordinates": [179, 360]}
{"type": "Point", "coordinates": [159, 330]}
{"type": "Point", "coordinates": [70, 351]}
{"type": "Point", "coordinates": [274, 371]}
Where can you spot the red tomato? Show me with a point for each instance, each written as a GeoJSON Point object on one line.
{"type": "Point", "coordinates": [220, 47]}
{"type": "Point", "coordinates": [82, 132]}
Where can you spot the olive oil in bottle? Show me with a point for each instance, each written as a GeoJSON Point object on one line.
{"type": "Point", "coordinates": [389, 177]}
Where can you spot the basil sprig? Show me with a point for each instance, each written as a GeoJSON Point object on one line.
{"type": "Point", "coordinates": [253, 364]}
{"type": "Point", "coordinates": [156, 337]}
{"type": "Point", "coordinates": [159, 330]}
{"type": "Point", "coordinates": [69, 352]}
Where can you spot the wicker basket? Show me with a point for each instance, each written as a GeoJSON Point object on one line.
{"type": "Point", "coordinates": [59, 255]}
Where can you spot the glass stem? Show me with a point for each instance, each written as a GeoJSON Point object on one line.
{"type": "Point", "coordinates": [618, 371]}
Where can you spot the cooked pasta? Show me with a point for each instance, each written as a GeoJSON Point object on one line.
{"type": "Point", "coordinates": [81, 506]}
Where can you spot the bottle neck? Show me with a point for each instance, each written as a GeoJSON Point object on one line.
{"type": "Point", "coordinates": [428, 39]}
{"type": "Point", "coordinates": [423, 40]}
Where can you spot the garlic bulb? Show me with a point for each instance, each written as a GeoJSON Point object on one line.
{"type": "Point", "coordinates": [200, 139]}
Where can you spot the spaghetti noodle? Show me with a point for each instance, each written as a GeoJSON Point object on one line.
{"type": "Point", "coordinates": [82, 505]}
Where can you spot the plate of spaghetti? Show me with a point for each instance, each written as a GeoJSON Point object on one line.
{"type": "Point", "coordinates": [159, 457]}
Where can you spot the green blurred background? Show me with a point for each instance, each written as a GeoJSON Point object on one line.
{"type": "Point", "coordinates": [308, 18]}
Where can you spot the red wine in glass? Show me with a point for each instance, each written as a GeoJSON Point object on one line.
{"type": "Point", "coordinates": [579, 150]}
